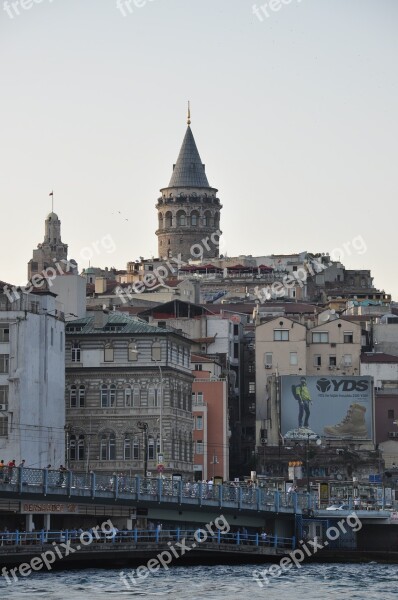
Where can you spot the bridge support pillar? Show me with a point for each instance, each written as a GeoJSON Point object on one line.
{"type": "Point", "coordinates": [47, 522]}
{"type": "Point", "coordinates": [29, 523]}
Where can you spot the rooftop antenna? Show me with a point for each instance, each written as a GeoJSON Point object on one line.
{"type": "Point", "coordinates": [189, 113]}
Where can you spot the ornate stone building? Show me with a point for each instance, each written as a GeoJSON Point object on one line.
{"type": "Point", "coordinates": [120, 373]}
{"type": "Point", "coordinates": [188, 209]}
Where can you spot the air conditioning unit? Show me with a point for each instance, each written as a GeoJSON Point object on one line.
{"type": "Point", "coordinates": [3, 407]}
{"type": "Point", "coordinates": [263, 440]}
{"type": "Point", "coordinates": [339, 451]}
{"type": "Point", "coordinates": [268, 366]}
{"type": "Point", "coordinates": [333, 345]}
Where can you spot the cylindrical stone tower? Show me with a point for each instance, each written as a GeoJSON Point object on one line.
{"type": "Point", "coordinates": [188, 209]}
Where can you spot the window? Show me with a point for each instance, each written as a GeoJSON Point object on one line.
{"type": "Point", "coordinates": [4, 397]}
{"type": "Point", "coordinates": [108, 354]}
{"type": "Point", "coordinates": [236, 350]}
{"type": "Point", "coordinates": [198, 367]}
{"type": "Point", "coordinates": [236, 329]}
{"type": "Point", "coordinates": [251, 368]}
{"type": "Point", "coordinates": [348, 337]}
{"type": "Point", "coordinates": [127, 398]}
{"type": "Point", "coordinates": [61, 341]}
{"type": "Point", "coordinates": [252, 387]}
{"type": "Point", "coordinates": [136, 396]}
{"type": "Point", "coordinates": [347, 360]}
{"type": "Point", "coordinates": [153, 397]}
{"type": "Point", "coordinates": [104, 396]}
{"type": "Point", "coordinates": [199, 422]}
{"type": "Point", "coordinates": [3, 426]}
{"type": "Point", "coordinates": [52, 336]}
{"type": "Point", "coordinates": [127, 447]}
{"type": "Point", "coordinates": [4, 333]}
{"type": "Point", "coordinates": [132, 353]}
{"type": "Point", "coordinates": [320, 337]}
{"type": "Point", "coordinates": [72, 447]}
{"type": "Point", "coordinates": [108, 396]}
{"type": "Point", "coordinates": [80, 448]}
{"type": "Point", "coordinates": [76, 447]}
{"type": "Point", "coordinates": [4, 363]}
{"type": "Point", "coordinates": [136, 449]}
{"type": "Point", "coordinates": [151, 448]}
{"type": "Point", "coordinates": [108, 446]}
{"type": "Point", "coordinates": [390, 413]}
{"type": "Point", "coordinates": [82, 396]}
{"type": "Point", "coordinates": [73, 396]}
{"type": "Point", "coordinates": [332, 361]}
{"type": "Point", "coordinates": [193, 398]}
{"type": "Point", "coordinates": [268, 359]}
{"type": "Point", "coordinates": [317, 360]}
{"type": "Point", "coordinates": [112, 395]}
{"type": "Point", "coordinates": [293, 359]}
{"type": "Point", "coordinates": [75, 352]}
{"type": "Point", "coordinates": [156, 351]}
{"type": "Point", "coordinates": [199, 447]}
{"type": "Point", "coordinates": [200, 398]}
{"type": "Point", "coordinates": [281, 335]}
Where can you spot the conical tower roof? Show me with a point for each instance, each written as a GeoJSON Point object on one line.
{"type": "Point", "coordinates": [189, 171]}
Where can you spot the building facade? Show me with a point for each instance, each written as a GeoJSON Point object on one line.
{"type": "Point", "coordinates": [128, 396]}
{"type": "Point", "coordinates": [211, 427]}
{"type": "Point", "coordinates": [32, 379]}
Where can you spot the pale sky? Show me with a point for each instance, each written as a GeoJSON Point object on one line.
{"type": "Point", "coordinates": [294, 115]}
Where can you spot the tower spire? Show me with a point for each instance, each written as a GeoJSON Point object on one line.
{"type": "Point", "coordinates": [189, 113]}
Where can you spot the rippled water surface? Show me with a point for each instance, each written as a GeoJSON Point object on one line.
{"type": "Point", "coordinates": [361, 581]}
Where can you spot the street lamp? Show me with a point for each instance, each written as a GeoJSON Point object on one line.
{"type": "Point", "coordinates": [307, 448]}
{"type": "Point", "coordinates": [144, 427]}
{"type": "Point", "coordinates": [160, 453]}
{"type": "Point", "coordinates": [214, 463]}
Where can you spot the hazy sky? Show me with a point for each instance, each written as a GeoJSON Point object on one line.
{"type": "Point", "coordinates": [295, 116]}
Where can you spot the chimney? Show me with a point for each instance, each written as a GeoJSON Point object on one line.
{"type": "Point", "coordinates": [100, 315]}
{"type": "Point", "coordinates": [100, 285]}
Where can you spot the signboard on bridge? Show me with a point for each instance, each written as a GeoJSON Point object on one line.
{"type": "Point", "coordinates": [48, 508]}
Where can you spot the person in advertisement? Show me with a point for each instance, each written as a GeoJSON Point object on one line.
{"type": "Point", "coordinates": [302, 394]}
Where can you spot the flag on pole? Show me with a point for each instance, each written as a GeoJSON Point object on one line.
{"type": "Point", "coordinates": [51, 194]}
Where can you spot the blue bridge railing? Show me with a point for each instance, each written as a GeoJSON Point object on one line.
{"type": "Point", "coordinates": [43, 482]}
{"type": "Point", "coordinates": [136, 536]}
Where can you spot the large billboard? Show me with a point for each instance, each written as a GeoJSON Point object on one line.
{"type": "Point", "coordinates": [331, 407]}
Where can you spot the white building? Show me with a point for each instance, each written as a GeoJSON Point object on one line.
{"type": "Point", "coordinates": [32, 378]}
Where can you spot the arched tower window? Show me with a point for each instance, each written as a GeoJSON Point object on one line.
{"type": "Point", "coordinates": [169, 219]}
{"type": "Point", "coordinates": [194, 218]}
{"type": "Point", "coordinates": [208, 221]}
{"type": "Point", "coordinates": [181, 218]}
